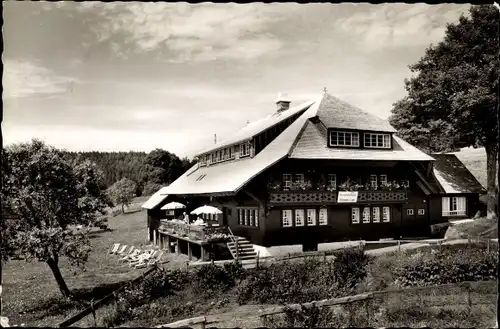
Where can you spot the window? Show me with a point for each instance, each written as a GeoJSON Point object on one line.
{"type": "Point", "coordinates": [230, 152]}
{"type": "Point", "coordinates": [244, 149]}
{"type": "Point", "coordinates": [421, 212]}
{"type": "Point", "coordinates": [299, 178]}
{"type": "Point", "coordinates": [323, 216]}
{"type": "Point", "coordinates": [311, 217]}
{"type": "Point", "coordinates": [383, 179]}
{"type": "Point", "coordinates": [366, 215]}
{"type": "Point", "coordinates": [248, 217]}
{"type": "Point", "coordinates": [299, 217]}
{"type": "Point", "coordinates": [376, 214]}
{"type": "Point", "coordinates": [386, 214]}
{"type": "Point", "coordinates": [287, 180]}
{"type": "Point", "coordinates": [378, 140]}
{"type": "Point", "coordinates": [332, 181]}
{"type": "Point", "coordinates": [355, 215]}
{"type": "Point", "coordinates": [373, 181]}
{"type": "Point", "coordinates": [409, 212]}
{"type": "Point", "coordinates": [226, 154]}
{"type": "Point", "coordinates": [454, 206]}
{"type": "Point", "coordinates": [286, 218]}
{"type": "Point", "coordinates": [342, 138]}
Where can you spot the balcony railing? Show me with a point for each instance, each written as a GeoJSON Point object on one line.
{"type": "Point", "coordinates": [327, 197]}
{"type": "Point", "coordinates": [196, 233]}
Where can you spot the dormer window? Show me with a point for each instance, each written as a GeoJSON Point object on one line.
{"type": "Point", "coordinates": [244, 150]}
{"type": "Point", "coordinates": [378, 140]}
{"type": "Point", "coordinates": [344, 138]}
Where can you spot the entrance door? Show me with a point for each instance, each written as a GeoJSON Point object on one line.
{"type": "Point", "coordinates": [225, 214]}
{"type": "Point", "coordinates": [408, 220]}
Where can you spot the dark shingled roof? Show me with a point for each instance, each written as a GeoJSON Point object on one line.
{"type": "Point", "coordinates": [335, 113]}
{"type": "Point", "coordinates": [453, 176]}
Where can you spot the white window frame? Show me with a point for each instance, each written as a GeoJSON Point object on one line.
{"type": "Point", "coordinates": [366, 215]}
{"type": "Point", "coordinates": [240, 216]}
{"type": "Point", "coordinates": [410, 212]}
{"type": "Point", "coordinates": [286, 218]}
{"type": "Point", "coordinates": [244, 149]}
{"type": "Point", "coordinates": [355, 215]}
{"type": "Point", "coordinates": [250, 217]}
{"type": "Point", "coordinates": [353, 135]}
{"type": "Point", "coordinates": [287, 183]}
{"type": "Point", "coordinates": [373, 181]}
{"type": "Point", "coordinates": [311, 220]}
{"type": "Point", "coordinates": [299, 217]}
{"type": "Point", "coordinates": [323, 216]}
{"type": "Point", "coordinates": [454, 206]}
{"type": "Point", "coordinates": [376, 214]}
{"type": "Point", "coordinates": [256, 215]}
{"type": "Point", "coordinates": [372, 140]}
{"type": "Point", "coordinates": [383, 179]}
{"type": "Point", "coordinates": [386, 214]}
{"type": "Point", "coordinates": [246, 216]}
{"type": "Point", "coordinates": [421, 212]}
{"type": "Point", "coordinates": [332, 181]}
{"type": "Point", "coordinates": [298, 178]}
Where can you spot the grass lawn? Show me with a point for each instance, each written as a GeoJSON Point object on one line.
{"type": "Point", "coordinates": [30, 293]}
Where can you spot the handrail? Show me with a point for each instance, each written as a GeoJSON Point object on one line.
{"type": "Point", "coordinates": [231, 234]}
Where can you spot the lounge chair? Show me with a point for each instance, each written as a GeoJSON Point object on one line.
{"type": "Point", "coordinates": [115, 248]}
{"type": "Point", "coordinates": [142, 258]}
{"type": "Point", "coordinates": [155, 258]}
{"type": "Point", "coordinates": [132, 255]}
{"type": "Point", "coordinates": [122, 250]}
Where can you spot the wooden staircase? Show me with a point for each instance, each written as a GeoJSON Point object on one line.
{"type": "Point", "coordinates": [241, 248]}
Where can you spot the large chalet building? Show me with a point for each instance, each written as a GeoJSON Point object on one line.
{"type": "Point", "coordinates": [321, 172]}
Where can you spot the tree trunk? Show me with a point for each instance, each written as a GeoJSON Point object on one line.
{"type": "Point", "coordinates": [123, 209]}
{"type": "Point", "coordinates": [59, 279]}
{"type": "Point", "coordinates": [491, 173]}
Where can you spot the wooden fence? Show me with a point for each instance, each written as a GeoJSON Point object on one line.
{"type": "Point", "coordinates": [460, 290]}
{"type": "Point", "coordinates": [95, 305]}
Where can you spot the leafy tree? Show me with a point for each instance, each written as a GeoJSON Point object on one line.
{"type": "Point", "coordinates": [122, 192]}
{"type": "Point", "coordinates": [45, 198]}
{"type": "Point", "coordinates": [151, 188]}
{"type": "Point", "coordinates": [453, 96]}
{"type": "Point", "coordinates": [162, 167]}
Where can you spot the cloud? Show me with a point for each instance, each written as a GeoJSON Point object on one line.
{"type": "Point", "coordinates": [400, 25]}
{"type": "Point", "coordinates": [24, 79]}
{"type": "Point", "coordinates": [184, 32]}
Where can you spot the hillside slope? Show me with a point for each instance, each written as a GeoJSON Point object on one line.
{"type": "Point", "coordinates": [475, 161]}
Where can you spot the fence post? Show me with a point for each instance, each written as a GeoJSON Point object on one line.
{"type": "Point", "coordinates": [468, 240]}
{"type": "Point", "coordinates": [93, 311]}
{"type": "Point", "coordinates": [257, 261]}
{"type": "Point", "coordinates": [488, 246]}
{"type": "Point", "coordinates": [324, 256]}
{"type": "Point", "coordinates": [237, 250]}
{"type": "Point", "coordinates": [469, 301]}
{"type": "Point", "coordinates": [399, 245]}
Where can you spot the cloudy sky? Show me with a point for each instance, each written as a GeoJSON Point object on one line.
{"type": "Point", "coordinates": [139, 76]}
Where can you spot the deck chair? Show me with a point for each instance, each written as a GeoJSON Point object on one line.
{"type": "Point", "coordinates": [139, 257]}
{"type": "Point", "coordinates": [145, 257]}
{"type": "Point", "coordinates": [122, 250]}
{"type": "Point", "coordinates": [132, 255]}
{"type": "Point", "coordinates": [155, 257]}
{"type": "Point", "coordinates": [115, 248]}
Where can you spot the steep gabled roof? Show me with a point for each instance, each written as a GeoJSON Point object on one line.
{"type": "Point", "coordinates": [256, 127]}
{"type": "Point", "coordinates": [453, 176]}
{"type": "Point", "coordinates": [335, 113]}
{"type": "Point", "coordinates": [312, 144]}
{"type": "Point", "coordinates": [229, 177]}
{"type": "Point", "coordinates": [155, 199]}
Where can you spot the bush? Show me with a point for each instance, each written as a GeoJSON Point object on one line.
{"type": "Point", "coordinates": [449, 265]}
{"type": "Point", "coordinates": [212, 278]}
{"type": "Point", "coordinates": [305, 280]}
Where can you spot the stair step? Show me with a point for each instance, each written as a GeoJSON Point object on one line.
{"type": "Point", "coordinates": [240, 246]}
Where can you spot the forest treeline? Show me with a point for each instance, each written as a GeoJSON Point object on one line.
{"type": "Point", "coordinates": [148, 170]}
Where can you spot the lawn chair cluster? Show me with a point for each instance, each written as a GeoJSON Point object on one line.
{"type": "Point", "coordinates": [135, 257]}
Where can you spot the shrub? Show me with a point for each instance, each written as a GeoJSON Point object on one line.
{"type": "Point", "coordinates": [305, 280]}
{"type": "Point", "coordinates": [448, 265]}
{"type": "Point", "coordinates": [212, 278]}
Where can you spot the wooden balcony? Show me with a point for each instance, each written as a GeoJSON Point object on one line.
{"type": "Point", "coordinates": [195, 233]}
{"type": "Point", "coordinates": [326, 197]}
{"type": "Point", "coordinates": [302, 197]}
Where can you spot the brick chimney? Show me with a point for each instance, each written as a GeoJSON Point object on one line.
{"type": "Point", "coordinates": [283, 102]}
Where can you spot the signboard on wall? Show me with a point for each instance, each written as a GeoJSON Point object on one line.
{"type": "Point", "coordinates": [347, 197]}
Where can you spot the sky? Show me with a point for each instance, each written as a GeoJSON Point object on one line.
{"type": "Point", "coordinates": [123, 76]}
